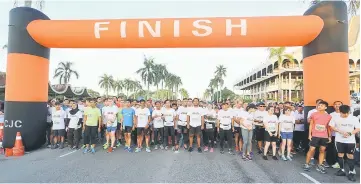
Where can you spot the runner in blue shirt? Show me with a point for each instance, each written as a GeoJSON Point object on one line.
{"type": "Point", "coordinates": [128, 123]}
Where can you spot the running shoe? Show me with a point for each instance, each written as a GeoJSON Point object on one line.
{"type": "Point", "coordinates": [244, 158]}
{"type": "Point", "coordinates": [83, 146]}
{"type": "Point", "coordinates": [166, 148]}
{"type": "Point", "coordinates": [249, 157]}
{"type": "Point", "coordinates": [259, 151]}
{"type": "Point", "coordinates": [283, 158]}
{"type": "Point", "coordinates": [161, 147]}
{"type": "Point", "coordinates": [205, 149]}
{"type": "Point", "coordinates": [211, 151]}
{"type": "Point", "coordinates": [351, 177]}
{"type": "Point", "coordinates": [340, 173]}
{"type": "Point", "coordinates": [190, 149]}
{"type": "Point", "coordinates": [321, 169]}
{"type": "Point", "coordinates": [241, 153]}
{"type": "Point", "coordinates": [129, 149]}
{"type": "Point", "coordinates": [74, 147]}
{"type": "Point", "coordinates": [222, 151]}
{"type": "Point", "coordinates": [92, 150]}
{"type": "Point", "coordinates": [289, 158]}
{"type": "Point", "coordinates": [325, 164]}
{"type": "Point", "coordinates": [156, 147]}
{"type": "Point", "coordinates": [306, 167]}
{"type": "Point", "coordinates": [86, 150]}
{"type": "Point", "coordinates": [336, 165]}
{"type": "Point", "coordinates": [48, 146]}
{"type": "Point", "coordinates": [61, 146]}
{"type": "Point", "coordinates": [110, 149]}
{"type": "Point", "coordinates": [173, 148]}
{"type": "Point", "coordinates": [152, 143]}
{"type": "Point", "coordinates": [54, 146]}
{"type": "Point", "coordinates": [265, 157]}
{"type": "Point", "coordinates": [105, 146]}
{"type": "Point", "coordinates": [274, 157]}
{"type": "Point", "coordinates": [147, 149]}
{"type": "Point", "coordinates": [126, 148]}
{"type": "Point", "coordinates": [176, 151]}
{"type": "Point", "coordinates": [137, 150]}
{"type": "Point", "coordinates": [118, 144]}
{"type": "Point", "coordinates": [230, 151]}
{"type": "Point", "coordinates": [251, 154]}
{"type": "Point", "coordinates": [199, 150]}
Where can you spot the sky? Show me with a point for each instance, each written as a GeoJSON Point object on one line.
{"type": "Point", "coordinates": [195, 66]}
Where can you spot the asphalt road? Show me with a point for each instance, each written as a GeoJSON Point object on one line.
{"type": "Point", "coordinates": [59, 166]}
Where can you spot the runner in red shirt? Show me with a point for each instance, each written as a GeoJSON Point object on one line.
{"type": "Point", "coordinates": [319, 135]}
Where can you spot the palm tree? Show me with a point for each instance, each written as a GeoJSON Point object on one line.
{"type": "Point", "coordinates": [106, 82]}
{"type": "Point", "coordinates": [160, 73]}
{"type": "Point", "coordinates": [184, 93]}
{"type": "Point", "coordinates": [207, 93]}
{"type": "Point", "coordinates": [128, 86]}
{"type": "Point", "coordinates": [170, 83]}
{"type": "Point", "coordinates": [118, 86]}
{"type": "Point", "coordinates": [213, 84]}
{"type": "Point", "coordinates": [353, 6]}
{"type": "Point", "coordinates": [147, 72]}
{"type": "Point", "coordinates": [137, 88]}
{"type": "Point", "coordinates": [280, 54]}
{"type": "Point", "coordinates": [220, 73]}
{"type": "Point", "coordinates": [177, 82]}
{"type": "Point", "coordinates": [64, 71]}
{"type": "Point", "coordinates": [299, 85]}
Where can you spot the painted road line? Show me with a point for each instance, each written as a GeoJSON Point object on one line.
{"type": "Point", "coordinates": [310, 178]}
{"type": "Point", "coordinates": [68, 153]}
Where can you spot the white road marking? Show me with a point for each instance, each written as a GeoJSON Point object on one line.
{"type": "Point", "coordinates": [310, 178]}
{"type": "Point", "coordinates": [68, 153]}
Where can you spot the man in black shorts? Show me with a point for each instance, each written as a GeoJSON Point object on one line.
{"type": "Point", "coordinates": [345, 126]}
{"type": "Point", "coordinates": [195, 123]}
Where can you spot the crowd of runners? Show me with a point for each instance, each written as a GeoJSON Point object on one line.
{"type": "Point", "coordinates": [279, 130]}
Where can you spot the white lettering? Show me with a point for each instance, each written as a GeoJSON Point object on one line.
{"type": "Point", "coordinates": [208, 29]}
{"type": "Point", "coordinates": [13, 123]}
{"type": "Point", "coordinates": [97, 28]}
{"type": "Point", "coordinates": [154, 33]}
{"type": "Point", "coordinates": [229, 27]}
{"type": "Point", "coordinates": [123, 29]}
{"type": "Point", "coordinates": [176, 28]}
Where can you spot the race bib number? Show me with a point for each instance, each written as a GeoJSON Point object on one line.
{"type": "Point", "coordinates": [272, 128]}
{"type": "Point", "coordinates": [288, 129]}
{"type": "Point", "coordinates": [319, 127]}
{"type": "Point", "coordinates": [182, 123]}
{"type": "Point", "coordinates": [209, 126]}
{"type": "Point", "coordinates": [226, 127]}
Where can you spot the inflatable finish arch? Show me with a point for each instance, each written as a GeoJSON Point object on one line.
{"type": "Point", "coordinates": [322, 31]}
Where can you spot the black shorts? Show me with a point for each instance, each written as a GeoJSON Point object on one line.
{"type": "Point", "coordinates": [128, 129]}
{"type": "Point", "coordinates": [142, 130]}
{"type": "Point", "coordinates": [260, 133]}
{"type": "Point", "coordinates": [269, 138]}
{"type": "Point", "coordinates": [182, 129]}
{"type": "Point", "coordinates": [317, 142]}
{"type": "Point", "coordinates": [237, 130]}
{"type": "Point", "coordinates": [60, 133]}
{"type": "Point", "coordinates": [348, 148]}
{"type": "Point", "coordinates": [195, 130]}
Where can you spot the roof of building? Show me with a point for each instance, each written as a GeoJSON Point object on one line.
{"type": "Point", "coordinates": [353, 43]}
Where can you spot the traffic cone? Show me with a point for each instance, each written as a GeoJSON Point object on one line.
{"type": "Point", "coordinates": [18, 149]}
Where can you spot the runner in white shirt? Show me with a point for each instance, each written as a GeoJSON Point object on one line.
{"type": "Point", "coordinates": [109, 113]}
{"type": "Point", "coordinates": [182, 124]}
{"type": "Point", "coordinates": [195, 124]}
{"type": "Point", "coordinates": [331, 148]}
{"type": "Point", "coordinates": [345, 126]}
{"type": "Point", "coordinates": [270, 122]}
{"type": "Point", "coordinates": [247, 121]}
{"type": "Point", "coordinates": [237, 111]}
{"type": "Point", "coordinates": [210, 121]}
{"type": "Point", "coordinates": [158, 126]}
{"type": "Point", "coordinates": [287, 122]}
{"type": "Point", "coordinates": [169, 117]}
{"type": "Point", "coordinates": [142, 122]}
{"type": "Point", "coordinates": [299, 135]}
{"type": "Point", "coordinates": [75, 117]}
{"type": "Point", "coordinates": [58, 130]}
{"type": "Point", "coordinates": [225, 128]}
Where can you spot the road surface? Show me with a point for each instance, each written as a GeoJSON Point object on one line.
{"type": "Point", "coordinates": [59, 166]}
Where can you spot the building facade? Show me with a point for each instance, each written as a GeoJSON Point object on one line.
{"type": "Point", "coordinates": [272, 82]}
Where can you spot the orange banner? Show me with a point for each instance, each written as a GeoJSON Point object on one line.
{"type": "Point", "coordinates": [177, 33]}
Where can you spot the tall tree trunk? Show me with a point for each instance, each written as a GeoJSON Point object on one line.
{"type": "Point", "coordinates": [146, 94]}
{"type": "Point", "coordinates": [279, 86]}
{"type": "Point", "coordinates": [220, 94]}
{"type": "Point", "coordinates": [106, 92]}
